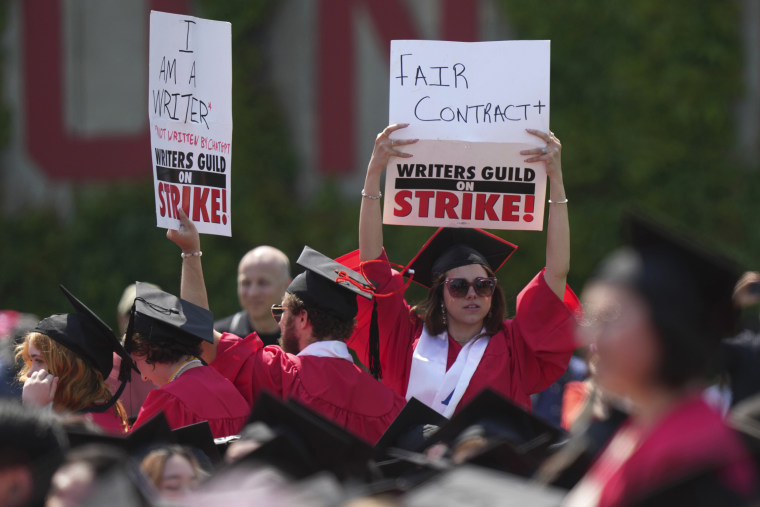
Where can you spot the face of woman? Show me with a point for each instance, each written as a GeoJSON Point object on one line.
{"type": "Point", "coordinates": [179, 477]}
{"type": "Point", "coordinates": [472, 308]}
{"type": "Point", "coordinates": [618, 322]}
{"type": "Point", "coordinates": [147, 371]}
{"type": "Point", "coordinates": [71, 485]}
{"type": "Point", "coordinates": [38, 362]}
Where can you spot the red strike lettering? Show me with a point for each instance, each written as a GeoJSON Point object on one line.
{"type": "Point", "coordinates": [404, 207]}
{"type": "Point", "coordinates": [161, 203]}
{"type": "Point", "coordinates": [445, 204]}
{"type": "Point", "coordinates": [201, 204]}
{"type": "Point", "coordinates": [216, 194]}
{"type": "Point", "coordinates": [200, 195]}
{"type": "Point", "coordinates": [448, 205]}
{"type": "Point", "coordinates": [510, 208]}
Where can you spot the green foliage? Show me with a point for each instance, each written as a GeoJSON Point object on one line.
{"type": "Point", "coordinates": [643, 96]}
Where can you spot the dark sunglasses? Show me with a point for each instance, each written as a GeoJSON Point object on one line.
{"type": "Point", "coordinates": [459, 287]}
{"type": "Point", "coordinates": [277, 311]}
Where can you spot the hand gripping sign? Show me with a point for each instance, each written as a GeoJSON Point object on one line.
{"type": "Point", "coordinates": [190, 111]}
{"type": "Point", "coordinates": [469, 104]}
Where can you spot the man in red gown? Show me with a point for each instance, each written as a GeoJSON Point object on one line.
{"type": "Point", "coordinates": [314, 365]}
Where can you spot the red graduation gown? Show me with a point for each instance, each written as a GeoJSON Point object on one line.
{"type": "Point", "coordinates": [690, 439]}
{"type": "Point", "coordinates": [333, 387]}
{"type": "Point", "coordinates": [529, 353]}
{"type": "Point", "coordinates": [109, 421]}
{"type": "Point", "coordinates": [199, 394]}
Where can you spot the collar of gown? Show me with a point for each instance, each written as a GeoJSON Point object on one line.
{"type": "Point", "coordinates": [327, 348]}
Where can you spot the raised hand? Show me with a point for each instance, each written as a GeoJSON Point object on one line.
{"type": "Point", "coordinates": [39, 389]}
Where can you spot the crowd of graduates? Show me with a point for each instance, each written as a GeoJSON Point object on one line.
{"type": "Point", "coordinates": [365, 399]}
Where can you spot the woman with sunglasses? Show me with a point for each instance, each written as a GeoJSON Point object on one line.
{"type": "Point", "coordinates": [458, 342]}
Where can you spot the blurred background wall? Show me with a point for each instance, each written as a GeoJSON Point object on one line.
{"type": "Point", "coordinates": [657, 105]}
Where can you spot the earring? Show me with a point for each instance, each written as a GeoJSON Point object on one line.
{"type": "Point", "coordinates": [443, 314]}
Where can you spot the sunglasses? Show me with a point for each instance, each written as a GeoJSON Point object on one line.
{"type": "Point", "coordinates": [459, 287]}
{"type": "Point", "coordinates": [277, 311]}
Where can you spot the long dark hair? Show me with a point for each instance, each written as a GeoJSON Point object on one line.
{"type": "Point", "coordinates": [431, 314]}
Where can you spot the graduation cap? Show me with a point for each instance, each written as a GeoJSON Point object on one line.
{"type": "Point", "coordinates": [497, 420]}
{"type": "Point", "coordinates": [198, 436]}
{"type": "Point", "coordinates": [329, 285]}
{"type": "Point", "coordinates": [411, 428]}
{"type": "Point", "coordinates": [281, 452]}
{"type": "Point", "coordinates": [158, 314]}
{"type": "Point", "coordinates": [85, 334]}
{"type": "Point", "coordinates": [314, 442]}
{"type": "Point", "coordinates": [451, 248]}
{"type": "Point", "coordinates": [688, 286]}
{"type": "Point", "coordinates": [399, 457]}
{"type": "Point", "coordinates": [507, 457]}
{"type": "Point", "coordinates": [332, 288]}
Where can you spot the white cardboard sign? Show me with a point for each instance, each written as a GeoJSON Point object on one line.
{"type": "Point", "coordinates": [190, 112]}
{"type": "Point", "coordinates": [469, 104]}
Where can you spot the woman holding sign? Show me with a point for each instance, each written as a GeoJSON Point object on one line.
{"type": "Point", "coordinates": [458, 342]}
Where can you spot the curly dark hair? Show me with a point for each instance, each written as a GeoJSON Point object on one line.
{"type": "Point", "coordinates": [323, 324]}
{"type": "Point", "coordinates": [161, 348]}
{"type": "Point", "coordinates": [430, 309]}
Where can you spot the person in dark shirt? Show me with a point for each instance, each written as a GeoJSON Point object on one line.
{"type": "Point", "coordinates": [263, 276]}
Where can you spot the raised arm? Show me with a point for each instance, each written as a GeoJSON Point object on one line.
{"type": "Point", "coordinates": [370, 218]}
{"type": "Point", "coordinates": [192, 286]}
{"type": "Point", "coordinates": [558, 227]}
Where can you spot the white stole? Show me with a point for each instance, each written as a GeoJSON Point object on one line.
{"type": "Point", "coordinates": [327, 348]}
{"type": "Point", "coordinates": [429, 381]}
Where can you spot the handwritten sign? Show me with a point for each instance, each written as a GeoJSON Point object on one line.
{"type": "Point", "coordinates": [469, 104]}
{"type": "Point", "coordinates": [190, 111]}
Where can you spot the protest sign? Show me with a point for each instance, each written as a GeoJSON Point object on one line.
{"type": "Point", "coordinates": [469, 104]}
{"type": "Point", "coordinates": [190, 111]}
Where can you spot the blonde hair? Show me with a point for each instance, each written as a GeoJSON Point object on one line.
{"type": "Point", "coordinates": [152, 465]}
{"type": "Point", "coordinates": [80, 385]}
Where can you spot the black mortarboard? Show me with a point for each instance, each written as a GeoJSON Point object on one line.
{"type": "Point", "coordinates": [282, 452]}
{"type": "Point", "coordinates": [507, 457]}
{"type": "Point", "coordinates": [198, 436]}
{"type": "Point", "coordinates": [160, 314]}
{"type": "Point", "coordinates": [473, 485]}
{"type": "Point", "coordinates": [687, 286]}
{"type": "Point", "coordinates": [451, 248]}
{"type": "Point", "coordinates": [500, 420]}
{"type": "Point", "coordinates": [329, 285]}
{"type": "Point", "coordinates": [75, 332]}
{"type": "Point", "coordinates": [411, 428]}
{"type": "Point", "coordinates": [126, 361]}
{"type": "Point", "coordinates": [82, 333]}
{"type": "Point", "coordinates": [320, 442]}
{"type": "Point", "coordinates": [85, 334]}
{"type": "Point", "coordinates": [398, 453]}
